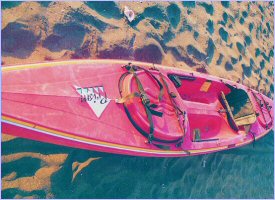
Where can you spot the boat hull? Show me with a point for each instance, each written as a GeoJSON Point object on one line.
{"type": "Point", "coordinates": [41, 102]}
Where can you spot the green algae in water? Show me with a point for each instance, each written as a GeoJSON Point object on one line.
{"type": "Point", "coordinates": [271, 88]}
{"type": "Point", "coordinates": [247, 70]}
{"type": "Point", "coordinates": [196, 35]}
{"type": "Point", "coordinates": [263, 18]}
{"type": "Point", "coordinates": [25, 145]}
{"type": "Point", "coordinates": [234, 60]}
{"type": "Point", "coordinates": [225, 17]}
{"type": "Point", "coordinates": [230, 45]}
{"type": "Point", "coordinates": [265, 56]}
{"type": "Point", "coordinates": [231, 18]}
{"type": "Point", "coordinates": [251, 26]}
{"type": "Point", "coordinates": [252, 63]}
{"type": "Point", "coordinates": [185, 26]}
{"type": "Point", "coordinates": [219, 61]}
{"type": "Point", "coordinates": [210, 26]}
{"type": "Point", "coordinates": [173, 12]}
{"type": "Point", "coordinates": [168, 36]}
{"type": "Point", "coordinates": [44, 3]}
{"type": "Point", "coordinates": [240, 57]}
{"type": "Point", "coordinates": [260, 76]}
{"type": "Point", "coordinates": [228, 66]}
{"type": "Point", "coordinates": [240, 47]}
{"type": "Point", "coordinates": [271, 53]}
{"type": "Point", "coordinates": [14, 192]}
{"type": "Point", "coordinates": [258, 31]}
{"type": "Point", "coordinates": [222, 23]}
{"type": "Point", "coordinates": [88, 19]}
{"type": "Point", "coordinates": [188, 27]}
{"type": "Point", "coordinates": [223, 34]}
{"type": "Point", "coordinates": [269, 73]}
{"type": "Point", "coordinates": [155, 24]}
{"type": "Point", "coordinates": [248, 7]}
{"type": "Point", "coordinates": [135, 22]}
{"type": "Point", "coordinates": [262, 64]}
{"type": "Point", "coordinates": [210, 51]}
{"type": "Point", "coordinates": [208, 7]}
{"type": "Point", "coordinates": [245, 14]}
{"type": "Point", "coordinates": [155, 12]}
{"type": "Point", "coordinates": [191, 50]}
{"type": "Point", "coordinates": [108, 9]}
{"type": "Point", "coordinates": [178, 55]}
{"type": "Point", "coordinates": [257, 71]}
{"type": "Point", "coordinates": [268, 26]}
{"type": "Point", "coordinates": [261, 8]}
{"type": "Point", "coordinates": [242, 20]}
{"type": "Point", "coordinates": [257, 52]}
{"type": "Point", "coordinates": [10, 4]}
{"type": "Point", "coordinates": [225, 4]}
{"type": "Point", "coordinates": [189, 4]}
{"type": "Point", "coordinates": [31, 165]}
{"type": "Point", "coordinates": [247, 40]}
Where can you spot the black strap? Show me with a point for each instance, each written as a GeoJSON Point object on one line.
{"type": "Point", "coordinates": [143, 132]}
{"type": "Point", "coordinates": [149, 111]}
{"type": "Point", "coordinates": [145, 102]}
{"type": "Point", "coordinates": [260, 105]}
{"type": "Point", "coordinates": [148, 106]}
{"type": "Point", "coordinates": [177, 110]}
{"type": "Point", "coordinates": [134, 68]}
{"type": "Point", "coordinates": [154, 112]}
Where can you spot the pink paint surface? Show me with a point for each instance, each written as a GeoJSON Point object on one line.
{"type": "Point", "coordinates": [47, 97]}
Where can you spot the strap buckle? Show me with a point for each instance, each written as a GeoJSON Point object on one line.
{"type": "Point", "coordinates": [130, 68]}
{"type": "Point", "coordinates": [150, 138]}
{"type": "Point", "coordinates": [179, 143]}
{"type": "Point", "coordinates": [144, 99]}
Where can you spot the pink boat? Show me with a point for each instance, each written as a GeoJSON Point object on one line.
{"type": "Point", "coordinates": [135, 108]}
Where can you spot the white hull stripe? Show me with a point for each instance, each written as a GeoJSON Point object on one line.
{"type": "Point", "coordinates": [96, 144]}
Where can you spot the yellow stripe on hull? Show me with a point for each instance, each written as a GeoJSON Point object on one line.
{"type": "Point", "coordinates": [109, 144]}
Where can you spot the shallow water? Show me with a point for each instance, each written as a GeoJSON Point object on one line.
{"type": "Point", "coordinates": [230, 40]}
{"type": "Point", "coordinates": [246, 172]}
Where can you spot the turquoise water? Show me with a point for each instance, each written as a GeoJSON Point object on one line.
{"type": "Point", "coordinates": [246, 172]}
{"type": "Point", "coordinates": [7, 5]}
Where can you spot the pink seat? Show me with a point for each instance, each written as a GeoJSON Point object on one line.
{"type": "Point", "coordinates": [166, 127]}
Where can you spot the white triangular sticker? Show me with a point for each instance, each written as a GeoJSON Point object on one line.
{"type": "Point", "coordinates": [96, 89]}
{"type": "Point", "coordinates": [101, 89]}
{"type": "Point", "coordinates": [97, 102]}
